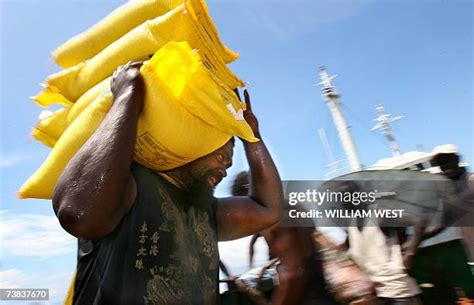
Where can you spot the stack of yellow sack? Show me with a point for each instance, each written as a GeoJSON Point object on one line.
{"type": "Point", "coordinates": [190, 109]}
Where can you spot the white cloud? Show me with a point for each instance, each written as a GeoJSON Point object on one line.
{"type": "Point", "coordinates": [33, 235]}
{"type": "Point", "coordinates": [10, 160]}
{"type": "Point", "coordinates": [293, 18]}
{"type": "Point", "coordinates": [3, 212]}
{"type": "Point", "coordinates": [57, 283]}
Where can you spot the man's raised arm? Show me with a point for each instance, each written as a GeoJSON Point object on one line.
{"type": "Point", "coordinates": [241, 216]}
{"type": "Point", "coordinates": [96, 189]}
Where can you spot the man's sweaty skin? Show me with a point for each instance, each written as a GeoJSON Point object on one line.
{"type": "Point", "coordinates": [96, 189]}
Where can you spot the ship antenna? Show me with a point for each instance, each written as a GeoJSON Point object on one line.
{"type": "Point", "coordinates": [383, 122]}
{"type": "Point", "coordinates": [331, 96]}
{"type": "Point", "coordinates": [333, 164]}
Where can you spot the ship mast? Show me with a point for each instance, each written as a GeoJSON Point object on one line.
{"type": "Point", "coordinates": [331, 97]}
{"type": "Point", "coordinates": [333, 164]}
{"type": "Point", "coordinates": [383, 121]}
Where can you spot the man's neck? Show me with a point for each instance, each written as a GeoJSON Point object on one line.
{"type": "Point", "coordinates": [177, 177]}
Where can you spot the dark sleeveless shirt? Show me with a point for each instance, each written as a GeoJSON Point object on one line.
{"type": "Point", "coordinates": [164, 251]}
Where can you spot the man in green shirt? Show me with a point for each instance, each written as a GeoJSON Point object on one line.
{"type": "Point", "coordinates": [441, 263]}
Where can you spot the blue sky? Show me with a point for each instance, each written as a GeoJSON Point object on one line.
{"type": "Point", "coordinates": [415, 57]}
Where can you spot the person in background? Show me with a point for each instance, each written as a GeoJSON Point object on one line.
{"type": "Point", "coordinates": [441, 266]}
{"type": "Point", "coordinates": [376, 247]}
{"type": "Point", "coordinates": [300, 274]}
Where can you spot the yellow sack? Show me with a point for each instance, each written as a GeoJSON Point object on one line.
{"type": "Point", "coordinates": [48, 130]}
{"type": "Point", "coordinates": [122, 20]}
{"type": "Point", "coordinates": [49, 96]}
{"type": "Point", "coordinates": [70, 291]}
{"type": "Point", "coordinates": [199, 11]}
{"type": "Point", "coordinates": [41, 184]}
{"type": "Point", "coordinates": [187, 114]}
{"type": "Point", "coordinates": [176, 25]}
{"type": "Point", "coordinates": [116, 24]}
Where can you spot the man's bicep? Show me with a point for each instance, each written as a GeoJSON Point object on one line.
{"type": "Point", "coordinates": [238, 217]}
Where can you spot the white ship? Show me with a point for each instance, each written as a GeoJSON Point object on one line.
{"type": "Point", "coordinates": [411, 160]}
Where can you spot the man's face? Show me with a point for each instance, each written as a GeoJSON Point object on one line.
{"type": "Point", "coordinates": [208, 171]}
{"type": "Point", "coordinates": [449, 170]}
{"type": "Point", "coordinates": [213, 167]}
{"type": "Point", "coordinates": [449, 165]}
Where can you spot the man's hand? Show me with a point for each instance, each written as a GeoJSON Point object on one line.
{"type": "Point", "coordinates": [248, 114]}
{"type": "Point", "coordinates": [241, 216]}
{"type": "Point", "coordinates": [127, 82]}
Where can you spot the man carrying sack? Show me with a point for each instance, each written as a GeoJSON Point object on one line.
{"type": "Point", "coordinates": [149, 237]}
